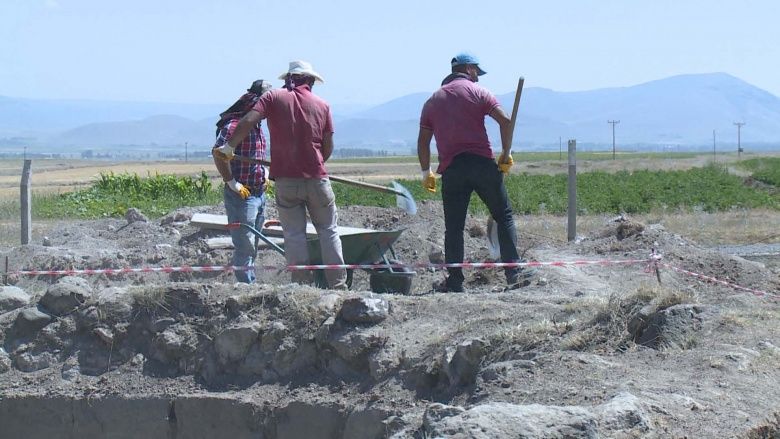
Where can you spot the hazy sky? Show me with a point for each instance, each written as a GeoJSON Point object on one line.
{"type": "Point", "coordinates": [208, 51]}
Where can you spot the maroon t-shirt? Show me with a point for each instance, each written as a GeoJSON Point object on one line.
{"type": "Point", "coordinates": [297, 122]}
{"type": "Point", "coordinates": [456, 115]}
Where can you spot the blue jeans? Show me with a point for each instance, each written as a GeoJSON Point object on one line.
{"type": "Point", "coordinates": [249, 211]}
{"type": "Point", "coordinates": [472, 173]}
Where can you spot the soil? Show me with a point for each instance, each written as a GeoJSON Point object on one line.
{"type": "Point", "coordinates": [600, 350]}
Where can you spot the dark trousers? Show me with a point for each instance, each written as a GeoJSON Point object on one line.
{"type": "Point", "coordinates": [472, 173]}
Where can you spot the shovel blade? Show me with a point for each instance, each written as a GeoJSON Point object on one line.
{"type": "Point", "coordinates": [492, 237]}
{"type": "Point", "coordinates": [404, 201]}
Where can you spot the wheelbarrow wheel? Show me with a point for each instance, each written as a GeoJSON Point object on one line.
{"type": "Point", "coordinates": [397, 281]}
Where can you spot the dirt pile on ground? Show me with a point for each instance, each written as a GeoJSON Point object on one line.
{"type": "Point", "coordinates": [586, 350]}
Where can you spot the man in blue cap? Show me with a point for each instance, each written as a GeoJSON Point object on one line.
{"type": "Point", "coordinates": [455, 117]}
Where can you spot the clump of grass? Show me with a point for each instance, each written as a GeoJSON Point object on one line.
{"type": "Point", "coordinates": [609, 326]}
{"type": "Point", "coordinates": [150, 300]}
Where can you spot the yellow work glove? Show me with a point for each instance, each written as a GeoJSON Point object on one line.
{"type": "Point", "coordinates": [504, 165]}
{"type": "Point", "coordinates": [429, 181]}
{"type": "Point", "coordinates": [224, 152]}
{"type": "Point", "coordinates": [238, 188]}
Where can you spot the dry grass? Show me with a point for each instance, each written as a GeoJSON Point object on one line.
{"type": "Point", "coordinates": [150, 300]}
{"type": "Point", "coordinates": [609, 321]}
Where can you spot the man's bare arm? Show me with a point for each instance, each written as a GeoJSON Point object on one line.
{"type": "Point", "coordinates": [505, 125]}
{"type": "Point", "coordinates": [424, 148]}
{"type": "Point", "coordinates": [223, 168]}
{"type": "Point", "coordinates": [327, 146]}
{"type": "Point", "coordinates": [243, 128]}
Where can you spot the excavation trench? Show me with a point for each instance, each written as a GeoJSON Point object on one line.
{"type": "Point", "coordinates": [193, 416]}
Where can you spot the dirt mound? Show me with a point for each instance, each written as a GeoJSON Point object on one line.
{"type": "Point", "coordinates": [583, 351]}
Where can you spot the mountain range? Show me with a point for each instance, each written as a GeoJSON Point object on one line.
{"type": "Point", "coordinates": [680, 111]}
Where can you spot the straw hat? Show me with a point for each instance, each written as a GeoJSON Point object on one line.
{"type": "Point", "coordinates": [302, 68]}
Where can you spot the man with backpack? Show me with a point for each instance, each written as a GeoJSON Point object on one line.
{"type": "Point", "coordinates": [245, 182]}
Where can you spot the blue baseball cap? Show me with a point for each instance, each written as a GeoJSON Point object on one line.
{"type": "Point", "coordinates": [467, 58]}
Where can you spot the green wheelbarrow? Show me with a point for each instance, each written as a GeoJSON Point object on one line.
{"type": "Point", "coordinates": [359, 247]}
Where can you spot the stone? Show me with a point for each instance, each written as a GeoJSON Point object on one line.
{"type": "Point", "coordinates": [5, 361]}
{"type": "Point", "coordinates": [31, 320]}
{"type": "Point", "coordinates": [233, 343]}
{"type": "Point", "coordinates": [64, 297]}
{"type": "Point", "coordinates": [134, 215]}
{"type": "Point", "coordinates": [12, 298]}
{"type": "Point", "coordinates": [462, 364]}
{"type": "Point", "coordinates": [364, 310]}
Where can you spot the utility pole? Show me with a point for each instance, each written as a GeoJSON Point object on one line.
{"type": "Point", "coordinates": [739, 138]}
{"type": "Point", "coordinates": [613, 122]}
{"type": "Point", "coordinates": [714, 157]}
{"type": "Point", "coordinates": [25, 153]}
{"type": "Point", "coordinates": [185, 152]}
{"type": "Point", "coordinates": [560, 149]}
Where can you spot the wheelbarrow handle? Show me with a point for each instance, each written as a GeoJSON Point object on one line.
{"type": "Point", "coordinates": [375, 187]}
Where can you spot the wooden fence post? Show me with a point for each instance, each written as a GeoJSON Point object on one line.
{"type": "Point", "coordinates": [571, 227]}
{"type": "Point", "coordinates": [26, 202]}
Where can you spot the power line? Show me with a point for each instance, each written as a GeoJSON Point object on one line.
{"type": "Point", "coordinates": [613, 122]}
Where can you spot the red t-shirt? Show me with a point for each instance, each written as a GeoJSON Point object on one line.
{"type": "Point", "coordinates": [297, 122]}
{"type": "Point", "coordinates": [456, 115]}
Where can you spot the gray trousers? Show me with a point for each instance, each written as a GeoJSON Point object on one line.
{"type": "Point", "coordinates": [296, 196]}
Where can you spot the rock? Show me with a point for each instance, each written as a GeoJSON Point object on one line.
{"type": "Point", "coordinates": [115, 304]}
{"type": "Point", "coordinates": [70, 370]}
{"type": "Point", "coordinates": [176, 217]}
{"type": "Point", "coordinates": [78, 281]}
{"type": "Point", "coordinates": [162, 324]}
{"type": "Point", "coordinates": [105, 335]}
{"type": "Point", "coordinates": [174, 343]}
{"type": "Point", "coordinates": [629, 228]}
{"type": "Point", "coordinates": [624, 412]}
{"type": "Point", "coordinates": [354, 346]}
{"type": "Point", "coordinates": [291, 357]}
{"type": "Point", "coordinates": [436, 255]}
{"type": "Point", "coordinates": [498, 419]}
{"type": "Point", "coordinates": [46, 241]}
{"type": "Point", "coordinates": [233, 343]}
{"type": "Point", "coordinates": [461, 364]}
{"type": "Point", "coordinates": [364, 310]}
{"type": "Point", "coordinates": [673, 327]}
{"type": "Point", "coordinates": [639, 321]}
{"type": "Point", "coordinates": [64, 297]}
{"type": "Point", "coordinates": [5, 361]}
{"type": "Point", "coordinates": [88, 317]}
{"type": "Point", "coordinates": [366, 424]}
{"type": "Point", "coordinates": [12, 298]}
{"type": "Point", "coordinates": [134, 215]}
{"type": "Point", "coordinates": [327, 303]}
{"type": "Point", "coordinates": [31, 320]}
{"type": "Point", "coordinates": [27, 362]}
{"type": "Point", "coordinates": [437, 411]}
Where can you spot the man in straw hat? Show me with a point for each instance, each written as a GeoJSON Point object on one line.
{"type": "Point", "coordinates": [455, 116]}
{"type": "Point", "coordinates": [301, 129]}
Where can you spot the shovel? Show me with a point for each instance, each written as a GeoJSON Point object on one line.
{"type": "Point", "coordinates": [492, 230]}
{"type": "Point", "coordinates": [403, 198]}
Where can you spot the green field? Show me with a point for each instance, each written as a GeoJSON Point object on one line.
{"type": "Point", "coordinates": [710, 189]}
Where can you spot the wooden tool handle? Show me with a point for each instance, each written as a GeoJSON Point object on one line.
{"type": "Point", "coordinates": [516, 105]}
{"type": "Point", "coordinates": [375, 187]}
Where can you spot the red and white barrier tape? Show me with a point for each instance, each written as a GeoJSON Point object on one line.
{"type": "Point", "coordinates": [755, 292]}
{"type": "Point", "coordinates": [229, 268]}
{"type": "Point", "coordinates": [651, 264]}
